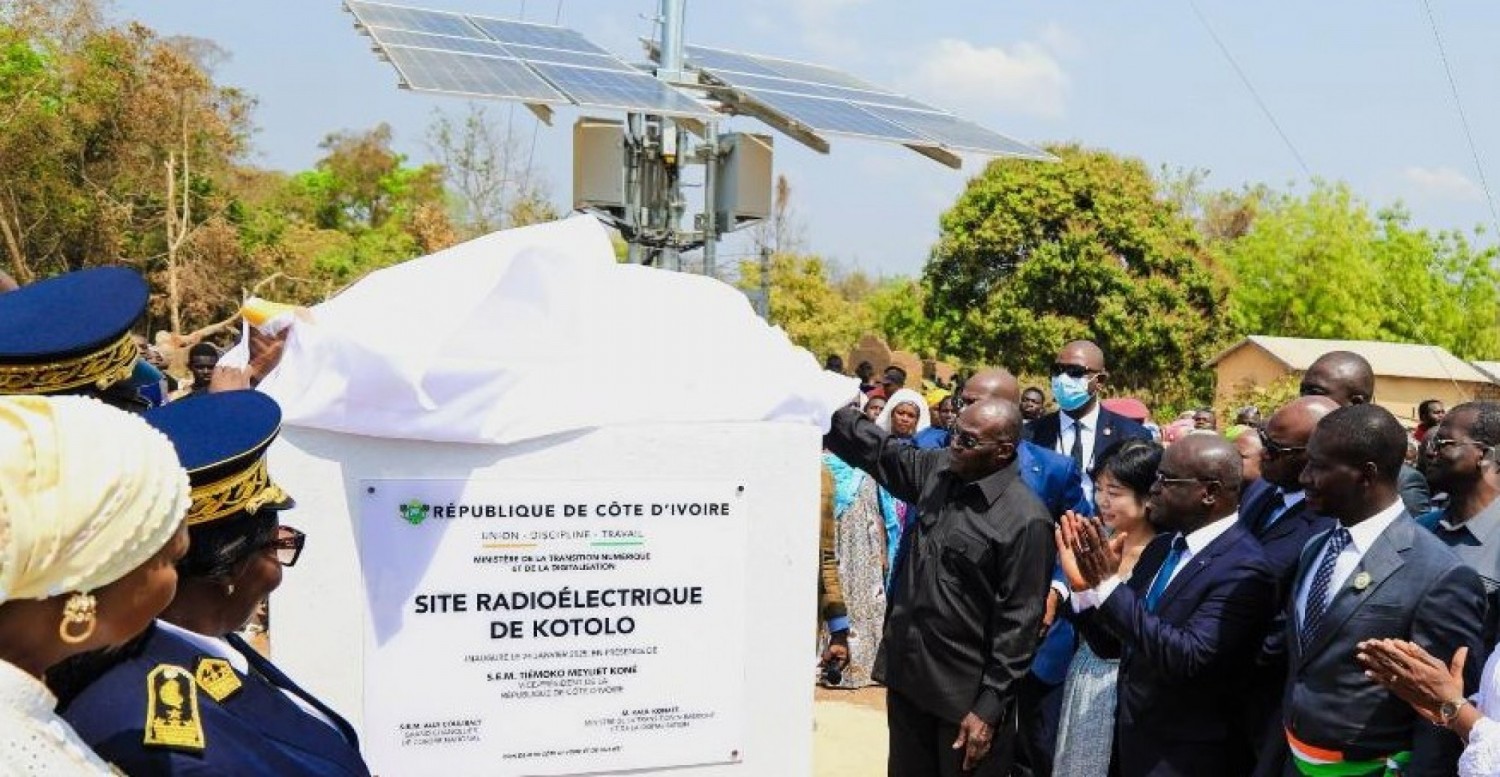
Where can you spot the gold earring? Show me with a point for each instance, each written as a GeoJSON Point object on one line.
{"type": "Point", "coordinates": [81, 609]}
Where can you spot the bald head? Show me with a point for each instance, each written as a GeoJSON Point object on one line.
{"type": "Point", "coordinates": [1299, 416]}
{"type": "Point", "coordinates": [1082, 352]}
{"type": "Point", "coordinates": [992, 383]}
{"type": "Point", "coordinates": [1288, 430]}
{"type": "Point", "coordinates": [995, 419]}
{"type": "Point", "coordinates": [1212, 457]}
{"type": "Point", "coordinates": [1343, 376]}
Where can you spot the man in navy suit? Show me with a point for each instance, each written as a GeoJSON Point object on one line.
{"type": "Point", "coordinates": [1185, 625]}
{"type": "Point", "coordinates": [1081, 428]}
{"type": "Point", "coordinates": [1278, 516]}
{"type": "Point", "coordinates": [1375, 575]}
{"type": "Point", "coordinates": [1057, 481]}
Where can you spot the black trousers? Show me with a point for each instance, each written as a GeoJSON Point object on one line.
{"type": "Point", "coordinates": [922, 744]}
{"type": "Point", "coordinates": [1038, 711]}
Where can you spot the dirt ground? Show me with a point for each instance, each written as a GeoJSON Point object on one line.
{"type": "Point", "coordinates": [849, 738]}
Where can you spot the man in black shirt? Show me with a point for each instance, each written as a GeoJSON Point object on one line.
{"type": "Point", "coordinates": [970, 582]}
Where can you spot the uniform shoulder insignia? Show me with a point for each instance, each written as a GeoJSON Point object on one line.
{"type": "Point", "coordinates": [216, 677]}
{"type": "Point", "coordinates": [172, 719]}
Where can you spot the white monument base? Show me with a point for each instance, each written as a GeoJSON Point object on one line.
{"type": "Point", "coordinates": [321, 623]}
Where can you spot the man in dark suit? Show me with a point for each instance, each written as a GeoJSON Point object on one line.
{"type": "Point", "coordinates": [1347, 378]}
{"type": "Point", "coordinates": [968, 589]}
{"type": "Point", "coordinates": [1278, 516]}
{"type": "Point", "coordinates": [1376, 575]}
{"type": "Point", "coordinates": [1081, 428]}
{"type": "Point", "coordinates": [1186, 624]}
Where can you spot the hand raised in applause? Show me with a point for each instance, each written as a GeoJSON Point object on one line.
{"type": "Point", "coordinates": [1098, 557]}
{"type": "Point", "coordinates": [1414, 675]}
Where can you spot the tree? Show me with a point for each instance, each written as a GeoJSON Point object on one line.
{"type": "Point", "coordinates": [1324, 266]}
{"type": "Point", "coordinates": [805, 303]}
{"type": "Point", "coordinates": [493, 188]}
{"type": "Point", "coordinates": [1033, 255]}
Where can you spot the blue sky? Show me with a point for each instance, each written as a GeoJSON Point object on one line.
{"type": "Point", "coordinates": [1358, 88]}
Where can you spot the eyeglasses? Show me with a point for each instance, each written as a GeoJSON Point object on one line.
{"type": "Point", "coordinates": [288, 545]}
{"type": "Point", "coordinates": [1440, 444]}
{"type": "Point", "coordinates": [1074, 371]}
{"type": "Point", "coordinates": [1165, 479]}
{"type": "Point", "coordinates": [1275, 449]}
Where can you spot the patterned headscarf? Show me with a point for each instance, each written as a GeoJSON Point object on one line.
{"type": "Point", "coordinates": [87, 494]}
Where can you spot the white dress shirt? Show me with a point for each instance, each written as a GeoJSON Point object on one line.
{"type": "Point", "coordinates": [1364, 534]}
{"type": "Point", "coordinates": [33, 739]}
{"type": "Point", "coordinates": [1196, 542]}
{"type": "Point", "coordinates": [220, 648]}
{"type": "Point", "coordinates": [1067, 429]}
{"type": "Point", "coordinates": [1481, 757]}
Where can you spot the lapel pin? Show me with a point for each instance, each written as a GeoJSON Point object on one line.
{"type": "Point", "coordinates": [1108, 430]}
{"type": "Point", "coordinates": [1362, 581]}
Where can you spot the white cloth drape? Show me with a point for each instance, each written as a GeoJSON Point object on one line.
{"type": "Point", "coordinates": [539, 331]}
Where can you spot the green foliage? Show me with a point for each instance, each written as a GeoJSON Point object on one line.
{"type": "Point", "coordinates": [805, 303]}
{"type": "Point", "coordinates": [1323, 265]}
{"type": "Point", "coordinates": [896, 309]}
{"type": "Point", "coordinates": [1033, 255]}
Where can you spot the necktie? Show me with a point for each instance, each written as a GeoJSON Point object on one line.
{"type": "Point", "coordinates": [1164, 575]}
{"type": "Point", "coordinates": [1078, 444]}
{"type": "Point", "coordinates": [1269, 510]}
{"type": "Point", "coordinates": [1317, 593]}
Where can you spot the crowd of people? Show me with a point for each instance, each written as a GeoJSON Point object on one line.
{"type": "Point", "coordinates": [140, 532]}
{"type": "Point", "coordinates": [1084, 592]}
{"type": "Point", "coordinates": [1075, 592]}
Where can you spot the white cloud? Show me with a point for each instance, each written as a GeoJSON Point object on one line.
{"type": "Point", "coordinates": [1442, 183]}
{"type": "Point", "coordinates": [1024, 78]}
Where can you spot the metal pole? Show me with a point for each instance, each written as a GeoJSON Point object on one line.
{"type": "Point", "coordinates": [765, 282]}
{"type": "Point", "coordinates": [673, 12]}
{"type": "Point", "coordinates": [710, 201]}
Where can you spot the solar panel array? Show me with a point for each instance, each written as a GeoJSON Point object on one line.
{"type": "Point", "coordinates": [438, 51]}
{"type": "Point", "coordinates": [826, 100]}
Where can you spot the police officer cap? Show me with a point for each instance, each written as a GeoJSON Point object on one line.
{"type": "Point", "coordinates": [70, 334]}
{"type": "Point", "coordinates": [221, 440]}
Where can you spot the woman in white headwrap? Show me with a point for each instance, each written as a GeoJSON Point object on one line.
{"type": "Point", "coordinates": [905, 414]}
{"type": "Point", "coordinates": [92, 502]}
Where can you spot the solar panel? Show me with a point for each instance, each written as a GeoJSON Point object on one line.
{"type": "Point", "coordinates": [827, 100]}
{"type": "Point", "coordinates": [539, 35]}
{"type": "Point", "coordinates": [421, 40]}
{"type": "Point", "coordinates": [469, 74]}
{"type": "Point", "coordinates": [481, 56]}
{"type": "Point", "coordinates": [626, 90]}
{"type": "Point", "coordinates": [835, 116]}
{"type": "Point", "coordinates": [412, 19]}
{"type": "Point", "coordinates": [953, 132]}
{"type": "Point", "coordinates": [559, 57]}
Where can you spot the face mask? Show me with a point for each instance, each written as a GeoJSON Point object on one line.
{"type": "Point", "coordinates": [1070, 393]}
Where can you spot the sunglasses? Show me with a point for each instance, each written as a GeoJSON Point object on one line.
{"type": "Point", "coordinates": [287, 545]}
{"type": "Point", "coordinates": [1074, 371]}
{"type": "Point", "coordinates": [968, 442]}
{"type": "Point", "coordinates": [1275, 449]}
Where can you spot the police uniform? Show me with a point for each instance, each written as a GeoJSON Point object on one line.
{"type": "Point", "coordinates": [71, 335]}
{"type": "Point", "coordinates": [180, 703]}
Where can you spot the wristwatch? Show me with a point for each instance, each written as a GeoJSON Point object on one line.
{"type": "Point", "coordinates": [1450, 709]}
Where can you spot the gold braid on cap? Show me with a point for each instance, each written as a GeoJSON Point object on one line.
{"type": "Point", "coordinates": [97, 370]}
{"type": "Point", "coordinates": [247, 491]}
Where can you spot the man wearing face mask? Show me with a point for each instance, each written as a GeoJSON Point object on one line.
{"type": "Point", "coordinates": [1081, 428]}
{"type": "Point", "coordinates": [968, 591]}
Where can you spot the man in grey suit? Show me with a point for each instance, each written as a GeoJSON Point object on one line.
{"type": "Point", "coordinates": [1347, 378]}
{"type": "Point", "coordinates": [1377, 574]}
